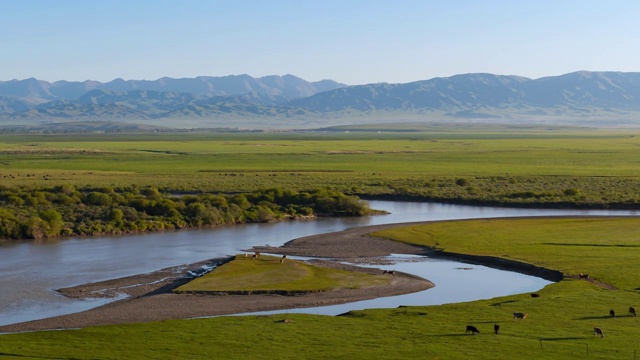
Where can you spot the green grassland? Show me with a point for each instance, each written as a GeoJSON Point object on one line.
{"type": "Point", "coordinates": [267, 274]}
{"type": "Point", "coordinates": [535, 166]}
{"type": "Point", "coordinates": [486, 165]}
{"type": "Point", "coordinates": [559, 326]}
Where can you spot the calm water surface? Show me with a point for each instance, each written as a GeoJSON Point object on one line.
{"type": "Point", "coordinates": [31, 271]}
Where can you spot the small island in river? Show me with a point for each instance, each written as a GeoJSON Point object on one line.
{"type": "Point", "coordinates": [150, 297]}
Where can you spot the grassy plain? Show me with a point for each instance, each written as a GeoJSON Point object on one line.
{"type": "Point", "coordinates": [483, 164]}
{"type": "Point", "coordinates": [513, 165]}
{"type": "Point", "coordinates": [267, 274]}
{"type": "Point", "coordinates": [606, 248]}
{"type": "Point", "coordinates": [559, 326]}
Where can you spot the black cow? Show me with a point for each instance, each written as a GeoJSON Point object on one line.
{"type": "Point", "coordinates": [597, 331]}
{"type": "Point", "coordinates": [471, 329]}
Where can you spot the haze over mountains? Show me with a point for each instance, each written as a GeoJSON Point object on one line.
{"type": "Point", "coordinates": [588, 98]}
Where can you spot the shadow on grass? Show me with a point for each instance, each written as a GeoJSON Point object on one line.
{"type": "Point", "coordinates": [565, 338]}
{"type": "Point", "coordinates": [592, 245]}
{"type": "Point", "coordinates": [503, 302]}
{"type": "Point", "coordinates": [34, 357]}
{"type": "Point", "coordinates": [602, 317]}
{"type": "Point", "coordinates": [448, 335]}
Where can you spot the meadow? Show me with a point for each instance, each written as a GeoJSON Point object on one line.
{"type": "Point", "coordinates": [535, 166]}
{"type": "Point", "coordinates": [559, 324]}
{"type": "Point", "coordinates": [568, 167]}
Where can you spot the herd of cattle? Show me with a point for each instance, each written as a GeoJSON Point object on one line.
{"type": "Point", "coordinates": [521, 316]}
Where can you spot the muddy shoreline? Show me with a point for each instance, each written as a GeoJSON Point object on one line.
{"type": "Point", "coordinates": [149, 296]}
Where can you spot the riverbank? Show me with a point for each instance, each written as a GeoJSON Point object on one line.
{"type": "Point", "coordinates": [149, 296]}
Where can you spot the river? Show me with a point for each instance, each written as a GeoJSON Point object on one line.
{"type": "Point", "coordinates": [31, 271]}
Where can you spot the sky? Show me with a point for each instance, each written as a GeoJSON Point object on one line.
{"type": "Point", "coordinates": [349, 41]}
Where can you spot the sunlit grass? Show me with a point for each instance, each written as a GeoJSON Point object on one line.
{"type": "Point", "coordinates": [559, 325]}
{"type": "Point", "coordinates": [271, 274]}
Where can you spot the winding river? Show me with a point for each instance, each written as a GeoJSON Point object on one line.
{"type": "Point", "coordinates": [31, 271]}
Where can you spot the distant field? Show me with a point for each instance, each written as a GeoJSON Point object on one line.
{"type": "Point", "coordinates": [521, 165]}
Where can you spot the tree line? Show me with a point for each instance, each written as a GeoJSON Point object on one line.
{"type": "Point", "coordinates": [66, 210]}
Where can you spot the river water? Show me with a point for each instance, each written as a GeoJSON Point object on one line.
{"type": "Point", "coordinates": [31, 271]}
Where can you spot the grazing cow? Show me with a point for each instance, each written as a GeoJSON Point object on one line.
{"type": "Point", "coordinates": [257, 254]}
{"type": "Point", "coordinates": [253, 257]}
{"type": "Point", "coordinates": [597, 331]}
{"type": "Point", "coordinates": [584, 276]}
{"type": "Point", "coordinates": [535, 295]}
{"type": "Point", "coordinates": [390, 272]}
{"type": "Point", "coordinates": [496, 328]}
{"type": "Point", "coordinates": [612, 313]}
{"type": "Point", "coordinates": [282, 259]}
{"type": "Point", "coordinates": [471, 329]}
{"type": "Point", "coordinates": [519, 315]}
{"type": "Point", "coordinates": [632, 310]}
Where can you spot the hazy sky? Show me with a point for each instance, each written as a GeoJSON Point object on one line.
{"type": "Point", "coordinates": [351, 41]}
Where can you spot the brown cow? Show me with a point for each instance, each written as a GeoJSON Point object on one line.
{"type": "Point", "coordinates": [632, 310]}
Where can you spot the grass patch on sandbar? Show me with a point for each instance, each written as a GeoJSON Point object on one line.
{"type": "Point", "coordinates": [267, 274]}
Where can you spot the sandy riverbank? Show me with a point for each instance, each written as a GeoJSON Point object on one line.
{"type": "Point", "coordinates": [150, 297]}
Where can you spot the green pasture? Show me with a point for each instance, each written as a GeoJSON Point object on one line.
{"type": "Point", "coordinates": [497, 165]}
{"type": "Point", "coordinates": [559, 324]}
{"type": "Point", "coordinates": [606, 248]}
{"type": "Point", "coordinates": [268, 274]}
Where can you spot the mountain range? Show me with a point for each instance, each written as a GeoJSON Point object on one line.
{"type": "Point", "coordinates": [288, 101]}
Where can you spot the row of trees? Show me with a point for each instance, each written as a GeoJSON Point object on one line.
{"type": "Point", "coordinates": [69, 211]}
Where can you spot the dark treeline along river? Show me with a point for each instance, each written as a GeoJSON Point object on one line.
{"type": "Point", "coordinates": [31, 271]}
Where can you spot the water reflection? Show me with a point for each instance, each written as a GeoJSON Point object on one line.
{"type": "Point", "coordinates": [455, 282]}
{"type": "Point", "coordinates": [32, 271]}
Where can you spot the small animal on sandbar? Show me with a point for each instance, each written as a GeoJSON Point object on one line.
{"type": "Point", "coordinates": [471, 329]}
{"type": "Point", "coordinates": [496, 328]}
{"type": "Point", "coordinates": [612, 313]}
{"type": "Point", "coordinates": [597, 331]}
{"type": "Point", "coordinates": [282, 259]}
{"type": "Point", "coordinates": [632, 310]}
{"type": "Point", "coordinates": [519, 315]}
